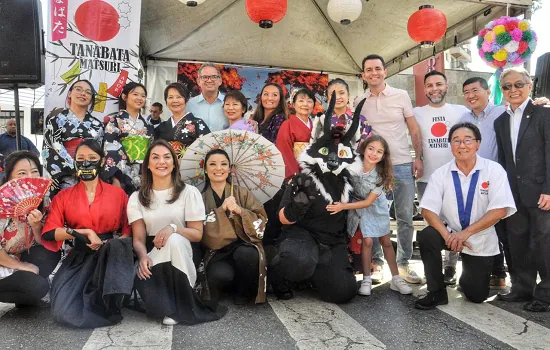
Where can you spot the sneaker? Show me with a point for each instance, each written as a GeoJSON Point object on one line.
{"type": "Point", "coordinates": [377, 274]}
{"type": "Point", "coordinates": [169, 321]}
{"type": "Point", "coordinates": [406, 273]}
{"type": "Point", "coordinates": [432, 299]}
{"type": "Point", "coordinates": [399, 285]}
{"type": "Point", "coordinates": [365, 288]}
{"type": "Point", "coordinates": [449, 276]}
{"type": "Point", "coordinates": [497, 283]}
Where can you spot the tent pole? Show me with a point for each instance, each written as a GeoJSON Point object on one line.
{"type": "Point", "coordinates": [17, 117]}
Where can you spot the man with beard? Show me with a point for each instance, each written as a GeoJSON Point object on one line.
{"type": "Point", "coordinates": [435, 120]}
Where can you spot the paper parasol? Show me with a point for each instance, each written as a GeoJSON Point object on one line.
{"type": "Point", "coordinates": [19, 197]}
{"type": "Point", "coordinates": [256, 163]}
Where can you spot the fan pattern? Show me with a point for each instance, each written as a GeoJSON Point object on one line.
{"type": "Point", "coordinates": [18, 197]}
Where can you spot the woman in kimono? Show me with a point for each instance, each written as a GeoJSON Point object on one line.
{"type": "Point", "coordinates": [64, 131]}
{"type": "Point", "coordinates": [295, 132]}
{"type": "Point", "coordinates": [88, 289]}
{"type": "Point", "coordinates": [166, 216]}
{"type": "Point", "coordinates": [127, 138]}
{"type": "Point", "coordinates": [271, 111]}
{"type": "Point", "coordinates": [233, 231]}
{"type": "Point", "coordinates": [24, 263]}
{"type": "Point", "coordinates": [182, 128]}
{"type": "Point", "coordinates": [235, 106]}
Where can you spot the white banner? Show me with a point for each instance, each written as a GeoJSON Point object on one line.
{"type": "Point", "coordinates": [96, 40]}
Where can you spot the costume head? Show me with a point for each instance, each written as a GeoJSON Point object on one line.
{"type": "Point", "coordinates": [332, 151]}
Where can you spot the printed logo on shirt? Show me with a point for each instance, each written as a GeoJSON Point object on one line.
{"type": "Point", "coordinates": [484, 188]}
{"type": "Point", "coordinates": [439, 130]}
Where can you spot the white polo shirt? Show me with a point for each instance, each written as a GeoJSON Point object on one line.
{"type": "Point", "coordinates": [491, 192]}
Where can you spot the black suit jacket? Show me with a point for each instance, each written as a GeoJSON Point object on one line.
{"type": "Point", "coordinates": [529, 175]}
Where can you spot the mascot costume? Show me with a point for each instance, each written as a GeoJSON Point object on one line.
{"type": "Point", "coordinates": [312, 245]}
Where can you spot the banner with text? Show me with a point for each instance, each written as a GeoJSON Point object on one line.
{"type": "Point", "coordinates": [95, 40]}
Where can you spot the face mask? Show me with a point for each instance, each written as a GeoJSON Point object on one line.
{"type": "Point", "coordinates": [87, 170]}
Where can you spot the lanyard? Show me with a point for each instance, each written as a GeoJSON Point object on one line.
{"type": "Point", "coordinates": [464, 213]}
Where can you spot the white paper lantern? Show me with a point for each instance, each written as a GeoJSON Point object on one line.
{"type": "Point", "coordinates": [192, 3]}
{"type": "Point", "coordinates": [344, 11]}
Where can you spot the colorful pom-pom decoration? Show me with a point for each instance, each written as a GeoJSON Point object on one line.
{"type": "Point", "coordinates": [506, 42]}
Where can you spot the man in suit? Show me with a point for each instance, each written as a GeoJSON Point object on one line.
{"type": "Point", "coordinates": [523, 141]}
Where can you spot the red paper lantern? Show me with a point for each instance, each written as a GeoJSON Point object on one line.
{"type": "Point", "coordinates": [427, 25]}
{"type": "Point", "coordinates": [266, 12]}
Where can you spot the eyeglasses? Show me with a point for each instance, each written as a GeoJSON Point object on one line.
{"type": "Point", "coordinates": [80, 90]}
{"type": "Point", "coordinates": [210, 77]}
{"type": "Point", "coordinates": [471, 92]}
{"type": "Point", "coordinates": [466, 142]}
{"type": "Point", "coordinates": [508, 87]}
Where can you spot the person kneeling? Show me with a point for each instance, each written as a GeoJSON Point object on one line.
{"type": "Point", "coordinates": [233, 233]}
{"type": "Point", "coordinates": [463, 201]}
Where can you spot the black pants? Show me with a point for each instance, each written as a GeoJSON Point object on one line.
{"type": "Point", "coordinates": [529, 241]}
{"type": "Point", "coordinates": [240, 267]}
{"type": "Point", "coordinates": [301, 258]}
{"type": "Point", "coordinates": [27, 288]}
{"type": "Point", "coordinates": [476, 270]}
{"type": "Point", "coordinates": [498, 267]}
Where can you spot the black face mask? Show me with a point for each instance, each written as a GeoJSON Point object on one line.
{"type": "Point", "coordinates": [87, 170]}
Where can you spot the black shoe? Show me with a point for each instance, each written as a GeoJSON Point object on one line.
{"type": "Point", "coordinates": [432, 299]}
{"type": "Point", "coordinates": [513, 296]}
{"type": "Point", "coordinates": [241, 300]}
{"type": "Point", "coordinates": [537, 306]}
{"type": "Point", "coordinates": [282, 291]}
{"type": "Point", "coordinates": [449, 276]}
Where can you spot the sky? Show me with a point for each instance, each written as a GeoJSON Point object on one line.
{"type": "Point", "coordinates": [540, 22]}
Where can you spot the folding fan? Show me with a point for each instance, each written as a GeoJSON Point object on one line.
{"type": "Point", "coordinates": [19, 197]}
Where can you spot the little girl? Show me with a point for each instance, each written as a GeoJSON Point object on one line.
{"type": "Point", "coordinates": [371, 175]}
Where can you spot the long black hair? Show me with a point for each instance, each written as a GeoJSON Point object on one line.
{"type": "Point", "coordinates": [146, 189]}
{"type": "Point", "coordinates": [208, 155]}
{"type": "Point", "coordinates": [282, 107]}
{"type": "Point", "coordinates": [126, 91]}
{"type": "Point", "coordinates": [13, 158]}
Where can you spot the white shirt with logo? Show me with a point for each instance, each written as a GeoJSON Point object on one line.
{"type": "Point", "coordinates": [492, 191]}
{"type": "Point", "coordinates": [435, 124]}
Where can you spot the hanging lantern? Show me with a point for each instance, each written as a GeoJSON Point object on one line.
{"type": "Point", "coordinates": [266, 12]}
{"type": "Point", "coordinates": [427, 26]}
{"type": "Point", "coordinates": [192, 3]}
{"type": "Point", "coordinates": [344, 11]}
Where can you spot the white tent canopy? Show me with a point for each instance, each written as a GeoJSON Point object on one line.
{"type": "Point", "coordinates": [306, 39]}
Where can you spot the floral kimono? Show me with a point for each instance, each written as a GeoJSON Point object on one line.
{"type": "Point", "coordinates": [62, 134]}
{"type": "Point", "coordinates": [183, 133]}
{"type": "Point", "coordinates": [125, 144]}
{"type": "Point", "coordinates": [220, 231]}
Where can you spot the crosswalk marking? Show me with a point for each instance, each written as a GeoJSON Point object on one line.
{"type": "Point", "coordinates": [135, 331]}
{"type": "Point", "coordinates": [314, 324]}
{"type": "Point", "coordinates": [5, 308]}
{"type": "Point", "coordinates": [498, 323]}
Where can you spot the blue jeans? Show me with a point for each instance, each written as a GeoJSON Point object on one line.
{"type": "Point", "coordinates": [403, 197]}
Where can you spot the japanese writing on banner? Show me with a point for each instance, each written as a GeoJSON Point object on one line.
{"type": "Point", "coordinates": [95, 40]}
{"type": "Point", "coordinates": [58, 17]}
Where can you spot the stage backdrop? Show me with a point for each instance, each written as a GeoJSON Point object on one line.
{"type": "Point", "coordinates": [250, 80]}
{"type": "Point", "coordinates": [95, 40]}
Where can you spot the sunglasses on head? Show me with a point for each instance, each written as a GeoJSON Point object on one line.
{"type": "Point", "coordinates": [508, 87]}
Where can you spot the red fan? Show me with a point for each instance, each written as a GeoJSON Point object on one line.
{"type": "Point", "coordinates": [19, 197]}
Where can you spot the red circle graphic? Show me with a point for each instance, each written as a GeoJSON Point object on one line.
{"type": "Point", "coordinates": [97, 20]}
{"type": "Point", "coordinates": [485, 185]}
{"type": "Point", "coordinates": [439, 129]}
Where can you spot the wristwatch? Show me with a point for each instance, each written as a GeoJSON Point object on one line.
{"type": "Point", "coordinates": [174, 227]}
{"type": "Point", "coordinates": [70, 231]}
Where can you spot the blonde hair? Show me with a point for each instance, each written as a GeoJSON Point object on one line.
{"type": "Point", "coordinates": [519, 70]}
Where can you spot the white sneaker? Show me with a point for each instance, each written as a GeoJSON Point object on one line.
{"type": "Point", "coordinates": [399, 285]}
{"type": "Point", "coordinates": [169, 321]}
{"type": "Point", "coordinates": [377, 274]}
{"type": "Point", "coordinates": [365, 288]}
{"type": "Point", "coordinates": [406, 273]}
